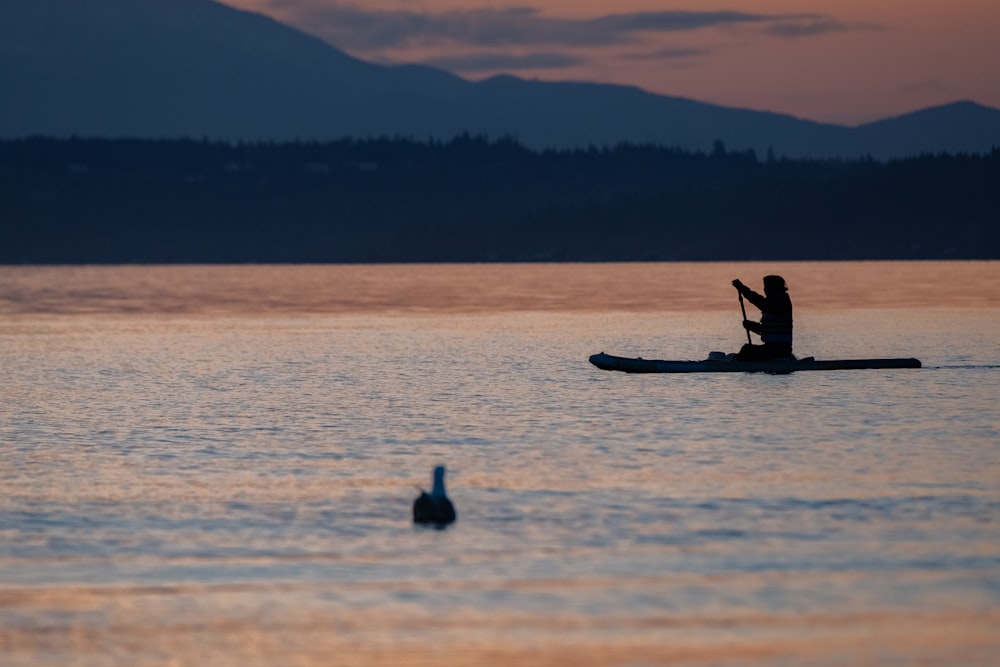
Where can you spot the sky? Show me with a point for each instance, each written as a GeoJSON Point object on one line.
{"type": "Point", "coordinates": [839, 61]}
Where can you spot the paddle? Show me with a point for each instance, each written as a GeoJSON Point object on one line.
{"type": "Point", "coordinates": [744, 309]}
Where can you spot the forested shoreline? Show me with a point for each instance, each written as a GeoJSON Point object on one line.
{"type": "Point", "coordinates": [472, 199]}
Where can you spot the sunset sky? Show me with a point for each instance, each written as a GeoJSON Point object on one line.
{"type": "Point", "coordinates": [844, 61]}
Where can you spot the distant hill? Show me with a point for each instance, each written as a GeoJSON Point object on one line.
{"type": "Point", "coordinates": [960, 127]}
{"type": "Point", "coordinates": [196, 68]}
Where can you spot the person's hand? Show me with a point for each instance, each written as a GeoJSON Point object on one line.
{"type": "Point", "coordinates": [749, 324]}
{"type": "Point", "coordinates": [737, 284]}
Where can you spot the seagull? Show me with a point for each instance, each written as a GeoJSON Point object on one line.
{"type": "Point", "coordinates": [434, 507]}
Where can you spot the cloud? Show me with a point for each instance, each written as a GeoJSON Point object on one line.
{"type": "Point", "coordinates": [668, 54]}
{"type": "Point", "coordinates": [673, 21]}
{"type": "Point", "coordinates": [492, 62]}
{"type": "Point", "coordinates": [353, 27]}
{"type": "Point", "coordinates": [810, 26]}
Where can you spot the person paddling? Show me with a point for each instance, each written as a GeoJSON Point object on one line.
{"type": "Point", "coordinates": [775, 326]}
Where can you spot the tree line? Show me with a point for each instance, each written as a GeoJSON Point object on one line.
{"type": "Point", "coordinates": [476, 199]}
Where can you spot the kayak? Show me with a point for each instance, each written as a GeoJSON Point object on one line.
{"type": "Point", "coordinates": [610, 362]}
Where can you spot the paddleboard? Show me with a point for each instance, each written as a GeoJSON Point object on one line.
{"type": "Point", "coordinates": [610, 362]}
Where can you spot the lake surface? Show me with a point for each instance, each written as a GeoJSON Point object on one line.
{"type": "Point", "coordinates": [215, 466]}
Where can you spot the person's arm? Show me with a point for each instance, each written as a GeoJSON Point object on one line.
{"type": "Point", "coordinates": [752, 326]}
{"type": "Point", "coordinates": [756, 299]}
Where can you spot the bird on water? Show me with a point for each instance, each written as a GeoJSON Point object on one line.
{"type": "Point", "coordinates": [434, 508]}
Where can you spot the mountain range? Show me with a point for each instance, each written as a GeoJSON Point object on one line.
{"type": "Point", "coordinates": [197, 68]}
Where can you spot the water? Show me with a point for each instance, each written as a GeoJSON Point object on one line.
{"type": "Point", "coordinates": [215, 465]}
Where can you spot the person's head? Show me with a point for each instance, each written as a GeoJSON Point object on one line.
{"type": "Point", "coordinates": [774, 285]}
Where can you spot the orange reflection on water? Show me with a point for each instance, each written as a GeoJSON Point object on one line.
{"type": "Point", "coordinates": [453, 288]}
{"type": "Point", "coordinates": [256, 626]}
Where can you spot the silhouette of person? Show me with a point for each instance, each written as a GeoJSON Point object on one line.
{"type": "Point", "coordinates": [775, 326]}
